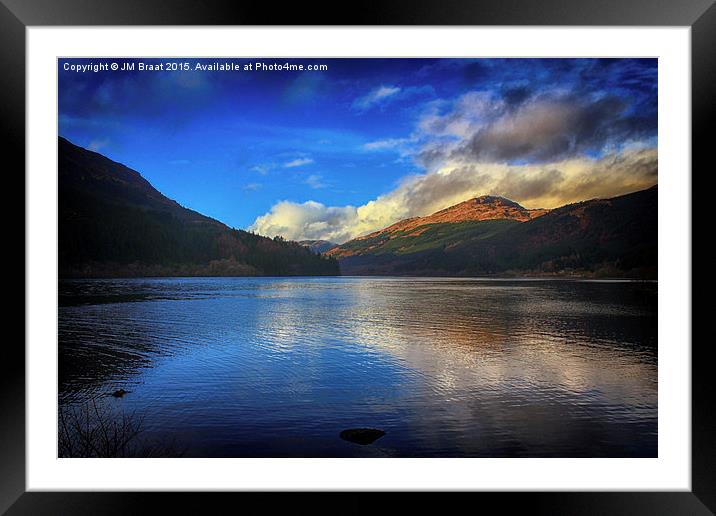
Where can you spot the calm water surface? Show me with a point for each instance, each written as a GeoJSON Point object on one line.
{"type": "Point", "coordinates": [239, 367]}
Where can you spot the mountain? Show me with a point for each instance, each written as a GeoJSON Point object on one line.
{"type": "Point", "coordinates": [481, 216]}
{"type": "Point", "coordinates": [113, 223]}
{"type": "Point", "coordinates": [487, 207]}
{"type": "Point", "coordinates": [614, 237]}
{"type": "Point", "coordinates": [318, 246]}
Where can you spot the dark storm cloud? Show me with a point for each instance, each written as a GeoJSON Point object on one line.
{"type": "Point", "coordinates": [547, 129]}
{"type": "Point", "coordinates": [535, 111]}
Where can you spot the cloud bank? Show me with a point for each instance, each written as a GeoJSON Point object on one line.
{"type": "Point", "coordinates": [483, 127]}
{"type": "Point", "coordinates": [540, 147]}
{"type": "Point", "coordinates": [547, 185]}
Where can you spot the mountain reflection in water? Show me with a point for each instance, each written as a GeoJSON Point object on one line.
{"type": "Point", "coordinates": [278, 367]}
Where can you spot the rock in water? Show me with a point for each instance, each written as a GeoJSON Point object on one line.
{"type": "Point", "coordinates": [362, 436]}
{"type": "Point", "coordinates": [119, 393]}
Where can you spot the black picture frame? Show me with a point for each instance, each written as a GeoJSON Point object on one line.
{"type": "Point", "coordinates": [17, 15]}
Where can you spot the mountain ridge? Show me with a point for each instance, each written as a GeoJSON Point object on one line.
{"type": "Point", "coordinates": [114, 223]}
{"type": "Point", "coordinates": [485, 207]}
{"type": "Point", "coordinates": [318, 246]}
{"type": "Point", "coordinates": [598, 237]}
{"type": "Point", "coordinates": [476, 209]}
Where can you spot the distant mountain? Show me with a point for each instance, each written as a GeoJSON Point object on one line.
{"type": "Point", "coordinates": [481, 216]}
{"type": "Point", "coordinates": [113, 222]}
{"type": "Point", "coordinates": [318, 246]}
{"type": "Point", "coordinates": [600, 237]}
{"type": "Point", "coordinates": [487, 207]}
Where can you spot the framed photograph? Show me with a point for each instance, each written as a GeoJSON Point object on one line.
{"type": "Point", "coordinates": [423, 249]}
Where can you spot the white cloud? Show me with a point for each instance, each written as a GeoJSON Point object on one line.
{"type": "Point", "coordinates": [307, 221]}
{"type": "Point", "coordinates": [262, 169]}
{"type": "Point", "coordinates": [375, 96]}
{"type": "Point", "coordinates": [462, 117]}
{"type": "Point", "coordinates": [252, 187]}
{"type": "Point", "coordinates": [298, 162]}
{"type": "Point", "coordinates": [315, 181]}
{"type": "Point", "coordinates": [387, 144]}
{"type": "Point", "coordinates": [546, 185]}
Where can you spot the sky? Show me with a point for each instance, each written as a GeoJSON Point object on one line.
{"type": "Point", "coordinates": [353, 145]}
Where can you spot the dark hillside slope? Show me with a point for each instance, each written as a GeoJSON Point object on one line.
{"type": "Point", "coordinates": [614, 237]}
{"type": "Point", "coordinates": [618, 234]}
{"type": "Point", "coordinates": [113, 222]}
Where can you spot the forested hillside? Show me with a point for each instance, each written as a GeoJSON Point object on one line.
{"type": "Point", "coordinates": [113, 222]}
{"type": "Point", "coordinates": [614, 237]}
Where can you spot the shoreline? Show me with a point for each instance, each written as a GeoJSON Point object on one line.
{"type": "Point", "coordinates": [586, 278]}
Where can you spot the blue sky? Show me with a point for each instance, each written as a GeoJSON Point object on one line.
{"type": "Point", "coordinates": [338, 152]}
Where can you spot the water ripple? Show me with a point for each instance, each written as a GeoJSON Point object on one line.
{"type": "Point", "coordinates": [448, 367]}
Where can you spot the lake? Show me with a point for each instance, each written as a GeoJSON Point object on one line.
{"type": "Point", "coordinates": [278, 367]}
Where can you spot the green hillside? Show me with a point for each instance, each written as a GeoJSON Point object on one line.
{"type": "Point", "coordinates": [602, 237]}
{"type": "Point", "coordinates": [431, 237]}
